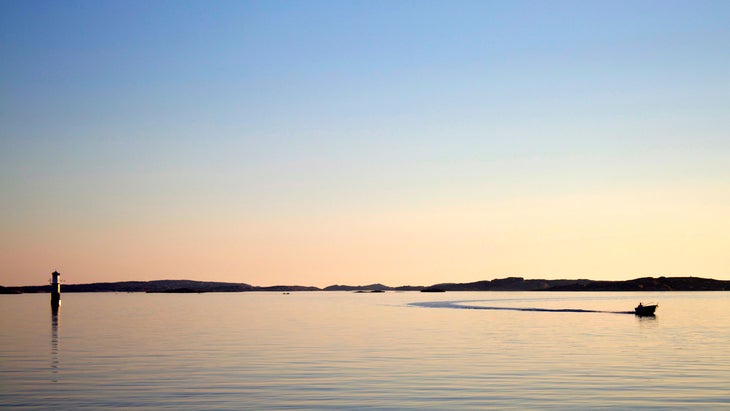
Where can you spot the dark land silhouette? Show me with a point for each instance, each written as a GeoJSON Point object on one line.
{"type": "Point", "coordinates": [503, 284]}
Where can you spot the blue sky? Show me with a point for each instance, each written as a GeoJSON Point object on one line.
{"type": "Point", "coordinates": [128, 119]}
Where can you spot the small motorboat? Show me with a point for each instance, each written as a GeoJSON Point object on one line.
{"type": "Point", "coordinates": [645, 310]}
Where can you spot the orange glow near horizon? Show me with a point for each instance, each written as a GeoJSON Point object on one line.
{"type": "Point", "coordinates": [593, 236]}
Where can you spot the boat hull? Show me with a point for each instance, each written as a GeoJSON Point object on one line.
{"type": "Point", "coordinates": [645, 310]}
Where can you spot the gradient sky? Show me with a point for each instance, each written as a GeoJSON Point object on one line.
{"type": "Point", "coordinates": [353, 142]}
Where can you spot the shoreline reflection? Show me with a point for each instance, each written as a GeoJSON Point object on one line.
{"type": "Point", "coordinates": [55, 345]}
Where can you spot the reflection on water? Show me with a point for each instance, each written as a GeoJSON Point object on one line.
{"type": "Point", "coordinates": [55, 342]}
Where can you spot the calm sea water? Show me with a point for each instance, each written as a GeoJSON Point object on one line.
{"type": "Point", "coordinates": [390, 351]}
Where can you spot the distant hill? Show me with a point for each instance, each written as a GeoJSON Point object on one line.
{"type": "Point", "coordinates": [639, 284]}
{"type": "Point", "coordinates": [286, 288]}
{"type": "Point", "coordinates": [648, 284]}
{"type": "Point", "coordinates": [507, 284]}
{"type": "Point", "coordinates": [501, 284]}
{"type": "Point", "coordinates": [371, 287]}
{"type": "Point", "coordinates": [9, 290]}
{"type": "Point", "coordinates": [159, 286]}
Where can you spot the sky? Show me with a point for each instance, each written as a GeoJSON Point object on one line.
{"type": "Point", "coordinates": [355, 142]}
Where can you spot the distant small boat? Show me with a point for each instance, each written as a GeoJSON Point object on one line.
{"type": "Point", "coordinates": [645, 310]}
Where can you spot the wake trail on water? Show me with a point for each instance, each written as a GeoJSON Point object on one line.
{"type": "Point", "coordinates": [463, 306]}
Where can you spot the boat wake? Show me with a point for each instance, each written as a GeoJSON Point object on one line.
{"type": "Point", "coordinates": [466, 305]}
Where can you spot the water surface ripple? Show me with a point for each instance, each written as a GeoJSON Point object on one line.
{"type": "Point", "coordinates": [465, 306]}
{"type": "Point", "coordinates": [346, 351]}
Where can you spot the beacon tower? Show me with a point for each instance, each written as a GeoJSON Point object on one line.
{"type": "Point", "coordinates": [55, 291]}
